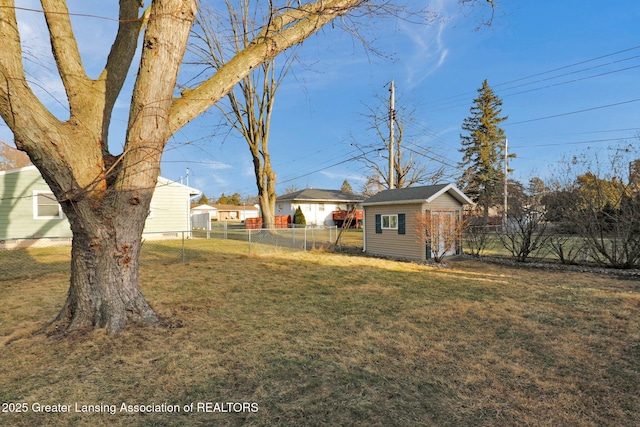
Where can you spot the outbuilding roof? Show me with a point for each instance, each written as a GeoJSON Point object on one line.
{"type": "Point", "coordinates": [417, 195]}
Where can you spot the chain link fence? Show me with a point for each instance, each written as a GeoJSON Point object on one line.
{"type": "Point", "coordinates": [181, 246]}
{"type": "Point", "coordinates": [262, 241]}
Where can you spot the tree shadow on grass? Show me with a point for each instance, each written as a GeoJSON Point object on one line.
{"type": "Point", "coordinates": [25, 264]}
{"type": "Point", "coordinates": [319, 343]}
{"type": "Point", "coordinates": [324, 340]}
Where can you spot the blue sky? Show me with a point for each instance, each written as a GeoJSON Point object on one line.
{"type": "Point", "coordinates": [568, 73]}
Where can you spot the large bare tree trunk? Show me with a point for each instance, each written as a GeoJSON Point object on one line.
{"type": "Point", "coordinates": [105, 289]}
{"type": "Point", "coordinates": [105, 197]}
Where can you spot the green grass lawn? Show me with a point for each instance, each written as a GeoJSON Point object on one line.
{"type": "Point", "coordinates": [316, 338]}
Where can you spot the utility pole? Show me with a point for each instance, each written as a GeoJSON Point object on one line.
{"type": "Point", "coordinates": [506, 169]}
{"type": "Point", "coordinates": [392, 119]}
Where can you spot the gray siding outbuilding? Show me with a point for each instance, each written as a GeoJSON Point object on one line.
{"type": "Point", "coordinates": [392, 218]}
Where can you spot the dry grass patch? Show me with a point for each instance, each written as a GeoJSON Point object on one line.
{"type": "Point", "coordinates": [327, 339]}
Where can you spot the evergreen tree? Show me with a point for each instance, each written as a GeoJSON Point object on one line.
{"type": "Point", "coordinates": [483, 147]}
{"type": "Point", "coordinates": [203, 200]}
{"type": "Point", "coordinates": [298, 217]}
{"type": "Point", "coordinates": [346, 187]}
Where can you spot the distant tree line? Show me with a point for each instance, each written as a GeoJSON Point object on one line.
{"type": "Point", "coordinates": [591, 216]}
{"type": "Point", "coordinates": [235, 199]}
{"type": "Point", "coordinates": [587, 211]}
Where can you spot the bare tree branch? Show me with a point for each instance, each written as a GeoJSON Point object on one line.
{"type": "Point", "coordinates": [289, 28]}
{"type": "Point", "coordinates": [119, 60]}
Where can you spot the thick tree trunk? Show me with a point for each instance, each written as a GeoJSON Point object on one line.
{"type": "Point", "coordinates": [106, 198]}
{"type": "Point", "coordinates": [105, 288]}
{"type": "Point", "coordinates": [265, 181]}
{"type": "Point", "coordinates": [267, 207]}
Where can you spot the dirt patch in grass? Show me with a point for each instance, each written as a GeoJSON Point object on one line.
{"type": "Point", "coordinates": [328, 339]}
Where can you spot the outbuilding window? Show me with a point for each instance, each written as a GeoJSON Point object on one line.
{"type": "Point", "coordinates": [389, 222]}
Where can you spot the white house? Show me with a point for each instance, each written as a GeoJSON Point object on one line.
{"type": "Point", "coordinates": [317, 205]}
{"type": "Point", "coordinates": [226, 212]}
{"type": "Point", "coordinates": [28, 208]}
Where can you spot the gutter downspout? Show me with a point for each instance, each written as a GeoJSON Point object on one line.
{"type": "Point", "coordinates": [364, 229]}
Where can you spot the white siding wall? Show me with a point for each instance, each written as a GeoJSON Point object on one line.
{"type": "Point", "coordinates": [17, 209]}
{"type": "Point", "coordinates": [169, 209]}
{"type": "Point", "coordinates": [169, 205]}
{"type": "Point", "coordinates": [315, 213]}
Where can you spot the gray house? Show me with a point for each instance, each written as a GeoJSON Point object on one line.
{"type": "Point", "coordinates": [28, 208]}
{"type": "Point", "coordinates": [393, 219]}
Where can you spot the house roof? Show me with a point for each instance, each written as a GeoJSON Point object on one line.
{"type": "Point", "coordinates": [204, 207]}
{"type": "Point", "coordinates": [417, 195]}
{"type": "Point", "coordinates": [318, 195]}
{"type": "Point", "coordinates": [161, 180]}
{"type": "Point", "coordinates": [234, 208]}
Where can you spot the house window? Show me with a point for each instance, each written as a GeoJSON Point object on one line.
{"type": "Point", "coordinates": [279, 207]}
{"type": "Point", "coordinates": [45, 206]}
{"type": "Point", "coordinates": [390, 222]}
{"type": "Point", "coordinates": [321, 207]}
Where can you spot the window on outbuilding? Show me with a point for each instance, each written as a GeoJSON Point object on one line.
{"type": "Point", "coordinates": [389, 222]}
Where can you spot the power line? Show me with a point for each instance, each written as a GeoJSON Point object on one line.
{"type": "Point", "coordinates": [573, 112]}
{"type": "Point", "coordinates": [570, 143]}
{"type": "Point", "coordinates": [466, 94]}
{"type": "Point", "coordinates": [550, 85]}
{"type": "Point", "coordinates": [328, 167]}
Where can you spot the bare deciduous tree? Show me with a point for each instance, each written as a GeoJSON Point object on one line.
{"type": "Point", "coordinates": [250, 103]}
{"type": "Point", "coordinates": [600, 201]}
{"type": "Point", "coordinates": [106, 196]}
{"type": "Point", "coordinates": [441, 232]}
{"type": "Point", "coordinates": [411, 166]}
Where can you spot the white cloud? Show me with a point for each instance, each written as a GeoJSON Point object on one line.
{"type": "Point", "coordinates": [216, 165]}
{"type": "Point", "coordinates": [427, 49]}
{"type": "Point", "coordinates": [343, 176]}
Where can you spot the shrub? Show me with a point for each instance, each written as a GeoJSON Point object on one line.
{"type": "Point", "coordinates": [298, 217]}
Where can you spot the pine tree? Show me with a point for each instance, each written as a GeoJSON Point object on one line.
{"type": "Point", "coordinates": [298, 217]}
{"type": "Point", "coordinates": [203, 200]}
{"type": "Point", "coordinates": [346, 187]}
{"type": "Point", "coordinates": [483, 149]}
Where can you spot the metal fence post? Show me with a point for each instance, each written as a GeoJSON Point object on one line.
{"type": "Point", "coordinates": [183, 254]}
{"type": "Point", "coordinates": [249, 233]}
{"type": "Point", "coordinates": [305, 238]}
